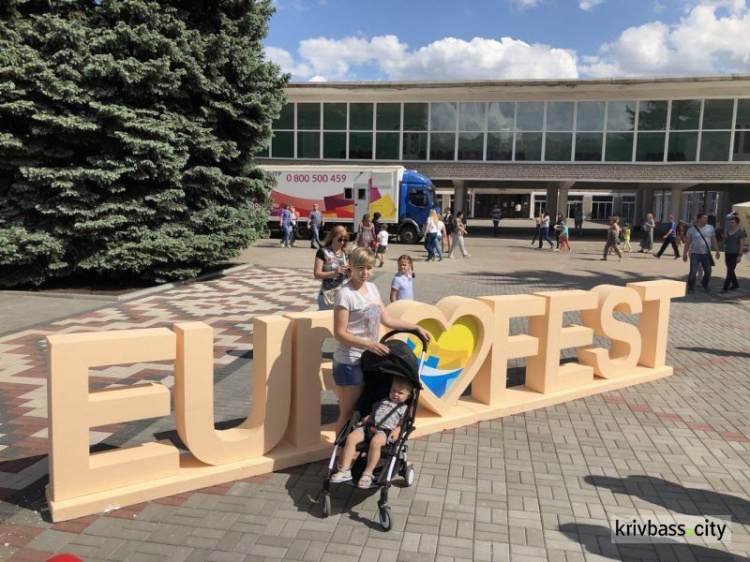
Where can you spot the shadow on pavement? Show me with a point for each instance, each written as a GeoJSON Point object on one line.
{"type": "Point", "coordinates": [596, 540]}
{"type": "Point", "coordinates": [675, 497]}
{"type": "Point", "coordinates": [719, 352]}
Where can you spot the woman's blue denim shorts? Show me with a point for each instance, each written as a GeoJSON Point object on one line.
{"type": "Point", "coordinates": [348, 375]}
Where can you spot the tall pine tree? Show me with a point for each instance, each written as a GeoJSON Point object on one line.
{"type": "Point", "coordinates": [127, 134]}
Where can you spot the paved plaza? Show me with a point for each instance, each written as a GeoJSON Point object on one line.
{"type": "Point", "coordinates": [531, 487]}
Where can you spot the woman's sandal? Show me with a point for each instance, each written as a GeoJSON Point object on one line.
{"type": "Point", "coordinates": [365, 482]}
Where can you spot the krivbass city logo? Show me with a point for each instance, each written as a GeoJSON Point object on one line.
{"type": "Point", "coordinates": [670, 529]}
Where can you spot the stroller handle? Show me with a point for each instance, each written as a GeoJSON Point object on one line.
{"type": "Point", "coordinates": [416, 333]}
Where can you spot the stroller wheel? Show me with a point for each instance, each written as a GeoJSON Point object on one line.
{"type": "Point", "coordinates": [385, 518]}
{"type": "Point", "coordinates": [326, 505]}
{"type": "Point", "coordinates": [410, 475]}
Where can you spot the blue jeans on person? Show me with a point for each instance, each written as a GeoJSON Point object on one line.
{"type": "Point", "coordinates": [544, 235]}
{"type": "Point", "coordinates": [495, 227]}
{"type": "Point", "coordinates": [695, 261]}
{"type": "Point", "coordinates": [315, 237]}
{"type": "Point", "coordinates": [436, 249]}
{"type": "Point", "coordinates": [429, 244]}
{"type": "Point", "coordinates": [287, 228]}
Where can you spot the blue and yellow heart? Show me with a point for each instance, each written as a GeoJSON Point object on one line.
{"type": "Point", "coordinates": [448, 353]}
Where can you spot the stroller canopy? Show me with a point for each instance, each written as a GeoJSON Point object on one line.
{"type": "Point", "coordinates": [380, 370]}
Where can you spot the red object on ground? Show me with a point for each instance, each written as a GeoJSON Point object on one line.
{"type": "Point", "coordinates": [64, 558]}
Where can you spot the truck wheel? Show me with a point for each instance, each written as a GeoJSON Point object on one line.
{"type": "Point", "coordinates": [407, 234]}
{"type": "Point", "coordinates": [301, 232]}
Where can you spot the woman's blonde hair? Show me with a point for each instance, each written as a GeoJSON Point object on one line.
{"type": "Point", "coordinates": [361, 257]}
{"type": "Point", "coordinates": [434, 217]}
{"type": "Point", "coordinates": [335, 232]}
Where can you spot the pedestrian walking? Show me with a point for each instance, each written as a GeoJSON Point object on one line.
{"type": "Point", "coordinates": [431, 229]}
{"type": "Point", "coordinates": [448, 221]}
{"type": "Point", "coordinates": [613, 237]}
{"type": "Point", "coordinates": [578, 219]}
{"type": "Point", "coordinates": [626, 237]}
{"type": "Point", "coordinates": [459, 231]}
{"type": "Point", "coordinates": [366, 233]}
{"type": "Point", "coordinates": [544, 231]}
{"type": "Point", "coordinates": [670, 238]}
{"type": "Point", "coordinates": [286, 226]}
{"type": "Point", "coordinates": [382, 244]}
{"type": "Point", "coordinates": [565, 238]}
{"type": "Point", "coordinates": [699, 241]}
{"type": "Point", "coordinates": [559, 222]}
{"type": "Point", "coordinates": [293, 220]}
{"type": "Point", "coordinates": [537, 230]}
{"type": "Point", "coordinates": [735, 240]}
{"type": "Point", "coordinates": [518, 210]}
{"type": "Point", "coordinates": [496, 216]}
{"type": "Point", "coordinates": [647, 242]}
{"type": "Point", "coordinates": [402, 286]}
{"type": "Point", "coordinates": [315, 223]}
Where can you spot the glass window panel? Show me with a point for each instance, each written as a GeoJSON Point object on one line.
{"type": "Point", "coordinates": [529, 146]}
{"type": "Point", "coordinates": [415, 146]}
{"type": "Point", "coordinates": [590, 116]}
{"type": "Point", "coordinates": [415, 116]}
{"type": "Point", "coordinates": [308, 145]}
{"type": "Point", "coordinates": [386, 146]}
{"type": "Point", "coordinates": [471, 146]}
{"type": "Point", "coordinates": [389, 117]}
{"type": "Point", "coordinates": [334, 145]}
{"type": "Point", "coordinates": [472, 117]}
{"type": "Point", "coordinates": [717, 114]}
{"type": "Point", "coordinates": [652, 115]}
{"type": "Point", "coordinates": [334, 116]}
{"type": "Point", "coordinates": [560, 116]}
{"type": "Point", "coordinates": [715, 146]}
{"type": "Point", "coordinates": [443, 117]}
{"type": "Point", "coordinates": [685, 115]}
{"type": "Point", "coordinates": [442, 146]}
{"type": "Point", "coordinates": [499, 146]}
{"type": "Point", "coordinates": [500, 116]}
{"type": "Point", "coordinates": [360, 117]}
{"type": "Point", "coordinates": [743, 114]}
{"type": "Point", "coordinates": [530, 117]}
{"type": "Point", "coordinates": [683, 147]}
{"type": "Point", "coordinates": [621, 116]}
{"type": "Point", "coordinates": [308, 116]}
{"type": "Point", "coordinates": [559, 147]}
{"type": "Point", "coordinates": [650, 147]}
{"type": "Point", "coordinates": [589, 147]}
{"type": "Point", "coordinates": [262, 153]}
{"type": "Point", "coordinates": [619, 147]}
{"type": "Point", "coordinates": [286, 118]}
{"type": "Point", "coordinates": [282, 145]}
{"type": "Point", "coordinates": [360, 146]}
{"type": "Point", "coordinates": [741, 145]}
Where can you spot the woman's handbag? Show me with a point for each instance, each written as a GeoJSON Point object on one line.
{"type": "Point", "coordinates": [329, 296]}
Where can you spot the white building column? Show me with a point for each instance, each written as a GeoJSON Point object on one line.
{"type": "Point", "coordinates": [459, 196]}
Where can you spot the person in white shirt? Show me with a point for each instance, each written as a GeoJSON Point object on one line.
{"type": "Point", "coordinates": [700, 239]}
{"type": "Point", "coordinates": [382, 244]}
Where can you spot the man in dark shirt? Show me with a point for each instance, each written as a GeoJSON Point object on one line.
{"type": "Point", "coordinates": [670, 238]}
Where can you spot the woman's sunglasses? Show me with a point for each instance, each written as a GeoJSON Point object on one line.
{"type": "Point", "coordinates": [343, 240]}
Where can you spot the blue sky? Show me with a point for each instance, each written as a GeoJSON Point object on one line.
{"type": "Point", "coordinates": [353, 40]}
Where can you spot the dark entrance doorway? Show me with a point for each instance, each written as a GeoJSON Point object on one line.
{"type": "Point", "coordinates": [484, 203]}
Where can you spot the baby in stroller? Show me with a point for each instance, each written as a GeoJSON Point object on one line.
{"type": "Point", "coordinates": [382, 426]}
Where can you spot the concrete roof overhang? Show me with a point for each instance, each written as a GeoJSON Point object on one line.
{"type": "Point", "coordinates": [731, 85]}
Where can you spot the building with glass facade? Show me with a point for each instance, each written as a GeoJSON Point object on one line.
{"type": "Point", "coordinates": [626, 146]}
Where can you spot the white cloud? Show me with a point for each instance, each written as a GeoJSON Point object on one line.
{"type": "Point", "coordinates": [707, 40]}
{"type": "Point", "coordinates": [523, 4]}
{"type": "Point", "coordinates": [588, 5]}
{"type": "Point", "coordinates": [446, 59]}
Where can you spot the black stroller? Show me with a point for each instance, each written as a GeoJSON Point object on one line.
{"type": "Point", "coordinates": [379, 372]}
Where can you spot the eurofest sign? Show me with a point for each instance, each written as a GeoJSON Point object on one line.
{"type": "Point", "coordinates": [472, 344]}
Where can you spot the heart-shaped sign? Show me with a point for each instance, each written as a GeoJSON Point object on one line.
{"type": "Point", "coordinates": [461, 339]}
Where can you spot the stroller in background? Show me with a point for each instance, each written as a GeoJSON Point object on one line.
{"type": "Point", "coordinates": [378, 373]}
